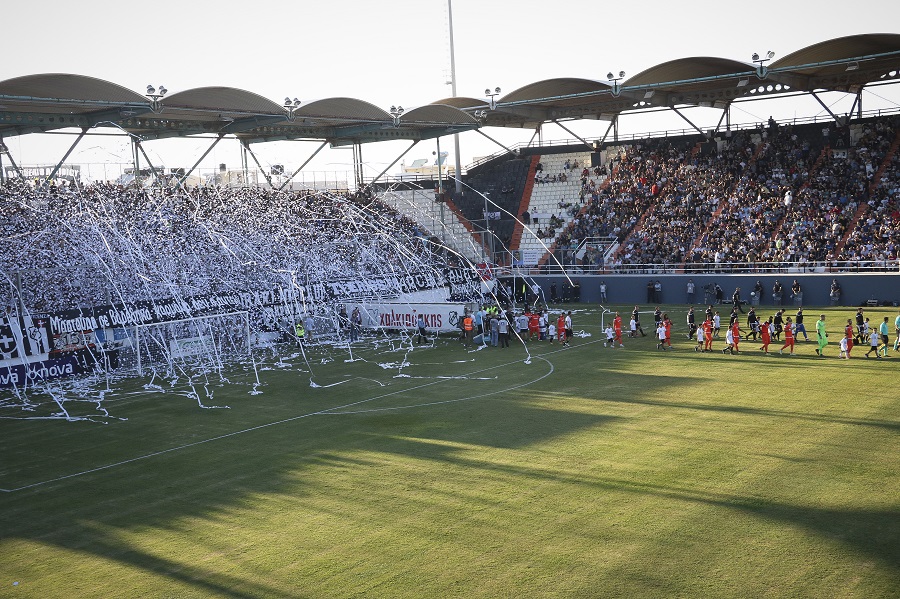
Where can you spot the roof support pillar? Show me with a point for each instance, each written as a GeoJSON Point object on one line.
{"type": "Point", "coordinates": [196, 164]}
{"type": "Point", "coordinates": [495, 141]}
{"type": "Point", "coordinates": [358, 164]}
{"type": "Point", "coordinates": [536, 129]}
{"type": "Point", "coordinates": [66, 155]}
{"type": "Point", "coordinates": [397, 159]}
{"type": "Point", "coordinates": [137, 143]}
{"type": "Point", "coordinates": [570, 132]}
{"type": "Point", "coordinates": [825, 106]}
{"type": "Point", "coordinates": [11, 160]}
{"type": "Point", "coordinates": [853, 107]}
{"type": "Point", "coordinates": [612, 124]}
{"type": "Point", "coordinates": [302, 166]}
{"type": "Point", "coordinates": [726, 116]}
{"type": "Point", "coordinates": [259, 166]}
{"type": "Point", "coordinates": [135, 160]}
{"type": "Point", "coordinates": [687, 120]}
{"type": "Point", "coordinates": [245, 168]}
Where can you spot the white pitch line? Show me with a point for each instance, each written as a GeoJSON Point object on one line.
{"type": "Point", "coordinates": [261, 426]}
{"type": "Point", "coordinates": [446, 401]}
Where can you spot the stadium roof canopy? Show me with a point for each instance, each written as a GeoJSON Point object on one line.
{"type": "Point", "coordinates": [844, 64]}
{"type": "Point", "coordinates": [47, 102]}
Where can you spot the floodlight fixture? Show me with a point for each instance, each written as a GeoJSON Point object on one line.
{"type": "Point", "coordinates": [291, 106]}
{"type": "Point", "coordinates": [761, 70]}
{"type": "Point", "coordinates": [156, 95]}
{"type": "Point", "coordinates": [492, 96]}
{"type": "Point", "coordinates": [616, 88]}
{"type": "Point", "coordinates": [396, 112]}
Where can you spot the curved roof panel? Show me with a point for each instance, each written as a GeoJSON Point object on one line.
{"type": "Point", "coordinates": [844, 63]}
{"type": "Point", "coordinates": [684, 69]}
{"type": "Point", "coordinates": [438, 113]}
{"type": "Point", "coordinates": [550, 88]}
{"type": "Point", "coordinates": [852, 46]}
{"type": "Point", "coordinates": [64, 86]}
{"type": "Point", "coordinates": [462, 102]}
{"type": "Point", "coordinates": [227, 100]}
{"type": "Point", "coordinates": [342, 109]}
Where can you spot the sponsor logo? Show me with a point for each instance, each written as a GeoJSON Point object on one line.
{"type": "Point", "coordinates": [409, 320]}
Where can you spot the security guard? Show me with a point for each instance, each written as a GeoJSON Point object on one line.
{"type": "Point", "coordinates": [468, 327]}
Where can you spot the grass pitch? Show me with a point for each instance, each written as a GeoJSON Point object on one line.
{"type": "Point", "coordinates": [586, 472]}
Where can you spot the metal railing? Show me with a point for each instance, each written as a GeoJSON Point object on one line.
{"type": "Point", "coordinates": [831, 266]}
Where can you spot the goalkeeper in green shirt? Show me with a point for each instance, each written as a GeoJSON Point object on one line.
{"type": "Point", "coordinates": [822, 336]}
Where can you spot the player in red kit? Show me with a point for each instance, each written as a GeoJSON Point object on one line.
{"type": "Point", "coordinates": [849, 332]}
{"type": "Point", "coordinates": [736, 333]}
{"type": "Point", "coordinates": [561, 330]}
{"type": "Point", "coordinates": [707, 334]}
{"type": "Point", "coordinates": [766, 337]}
{"type": "Point", "coordinates": [788, 336]}
{"type": "Point", "coordinates": [617, 328]}
{"type": "Point", "coordinates": [534, 326]}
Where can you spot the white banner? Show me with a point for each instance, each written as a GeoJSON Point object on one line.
{"type": "Point", "coordinates": [531, 257]}
{"type": "Point", "coordinates": [190, 346]}
{"type": "Point", "coordinates": [438, 317]}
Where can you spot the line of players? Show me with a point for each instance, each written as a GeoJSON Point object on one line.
{"type": "Point", "coordinates": [763, 331]}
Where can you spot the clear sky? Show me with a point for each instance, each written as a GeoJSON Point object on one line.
{"type": "Point", "coordinates": [398, 53]}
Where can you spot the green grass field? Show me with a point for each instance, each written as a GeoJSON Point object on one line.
{"type": "Point", "coordinates": [588, 472]}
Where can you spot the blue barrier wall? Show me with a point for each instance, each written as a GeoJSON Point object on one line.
{"type": "Point", "coordinates": [857, 289]}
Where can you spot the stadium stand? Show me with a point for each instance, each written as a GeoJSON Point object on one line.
{"type": "Point", "coordinates": [875, 238]}
{"type": "Point", "coordinates": [420, 205]}
{"type": "Point", "coordinates": [808, 195]}
{"type": "Point", "coordinates": [503, 180]}
{"type": "Point", "coordinates": [105, 244]}
{"type": "Point", "coordinates": [559, 189]}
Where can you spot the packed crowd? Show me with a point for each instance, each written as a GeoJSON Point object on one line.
{"type": "Point", "coordinates": [876, 238]}
{"type": "Point", "coordinates": [636, 177]}
{"type": "Point", "coordinates": [68, 247]}
{"type": "Point", "coordinates": [779, 195]}
{"type": "Point", "coordinates": [685, 205]}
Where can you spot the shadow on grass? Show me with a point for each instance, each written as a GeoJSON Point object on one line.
{"type": "Point", "coordinates": [873, 532]}
{"type": "Point", "coordinates": [202, 481]}
{"type": "Point", "coordinates": [890, 425]}
{"type": "Point", "coordinates": [84, 514]}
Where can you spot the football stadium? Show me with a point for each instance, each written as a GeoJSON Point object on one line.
{"type": "Point", "coordinates": [617, 365]}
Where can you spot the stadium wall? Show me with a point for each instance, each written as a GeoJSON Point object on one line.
{"type": "Point", "coordinates": [857, 288]}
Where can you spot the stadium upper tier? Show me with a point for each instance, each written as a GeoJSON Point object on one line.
{"type": "Point", "coordinates": [810, 196]}
{"type": "Point", "coordinates": [45, 102]}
